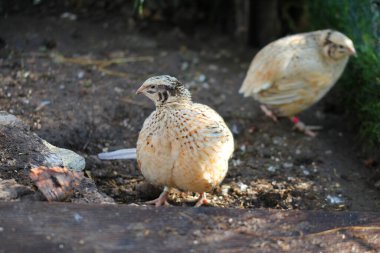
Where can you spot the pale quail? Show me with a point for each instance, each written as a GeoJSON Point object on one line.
{"type": "Point", "coordinates": [292, 73]}
{"type": "Point", "coordinates": [182, 144]}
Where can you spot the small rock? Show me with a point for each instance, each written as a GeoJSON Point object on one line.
{"type": "Point", "coordinates": [69, 16]}
{"type": "Point", "coordinates": [205, 86]}
{"type": "Point", "coordinates": [184, 66]}
{"type": "Point", "coordinates": [118, 90]}
{"type": "Point", "coordinates": [77, 217]}
{"type": "Point", "coordinates": [202, 78]}
{"type": "Point", "coordinates": [243, 187]}
{"type": "Point", "coordinates": [243, 147]}
{"type": "Point", "coordinates": [278, 141]}
{"type": "Point", "coordinates": [69, 158]}
{"type": "Point", "coordinates": [236, 162]}
{"type": "Point", "coordinates": [287, 165]}
{"type": "Point", "coordinates": [272, 169]}
{"type": "Point", "coordinates": [334, 200]}
{"type": "Point", "coordinates": [80, 74]}
{"type": "Point", "coordinates": [89, 193]}
{"type": "Point", "coordinates": [225, 189]}
{"type": "Point", "coordinates": [235, 129]}
{"type": "Point", "coordinates": [213, 67]}
{"type": "Point", "coordinates": [7, 119]}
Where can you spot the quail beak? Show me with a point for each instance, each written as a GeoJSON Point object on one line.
{"type": "Point", "coordinates": [352, 52]}
{"type": "Point", "coordinates": [140, 90]}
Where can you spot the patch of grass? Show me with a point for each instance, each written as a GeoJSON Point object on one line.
{"type": "Point", "coordinates": [360, 85]}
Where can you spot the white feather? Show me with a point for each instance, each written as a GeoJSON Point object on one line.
{"type": "Point", "coordinates": [127, 153]}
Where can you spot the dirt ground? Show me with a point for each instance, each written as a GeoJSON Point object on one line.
{"type": "Point", "coordinates": [55, 75]}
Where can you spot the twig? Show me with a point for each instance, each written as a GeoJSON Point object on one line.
{"type": "Point", "coordinates": [349, 228]}
{"type": "Point", "coordinates": [113, 73]}
{"type": "Point", "coordinates": [88, 139]}
{"type": "Point", "coordinates": [101, 64]}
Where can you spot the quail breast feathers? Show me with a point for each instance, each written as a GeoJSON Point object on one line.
{"type": "Point", "coordinates": [182, 144]}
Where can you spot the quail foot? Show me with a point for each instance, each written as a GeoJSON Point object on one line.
{"type": "Point", "coordinates": [182, 144]}
{"type": "Point", "coordinates": [291, 74]}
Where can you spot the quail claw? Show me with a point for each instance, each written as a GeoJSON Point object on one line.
{"type": "Point", "coordinates": [300, 126]}
{"type": "Point", "coordinates": [268, 113]}
{"type": "Point", "coordinates": [202, 200]}
{"type": "Point", "coordinates": [162, 200]}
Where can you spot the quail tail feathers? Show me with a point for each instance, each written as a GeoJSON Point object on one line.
{"type": "Point", "coordinates": [124, 154]}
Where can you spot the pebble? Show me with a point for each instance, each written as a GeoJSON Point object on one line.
{"type": "Point", "coordinates": [272, 169]}
{"type": "Point", "coordinates": [80, 74]}
{"type": "Point", "coordinates": [287, 165]}
{"type": "Point", "coordinates": [278, 141]}
{"type": "Point", "coordinates": [213, 67]}
{"type": "Point", "coordinates": [243, 187]}
{"type": "Point", "coordinates": [78, 217]}
{"type": "Point", "coordinates": [69, 16]}
{"type": "Point", "coordinates": [7, 119]}
{"type": "Point", "coordinates": [333, 200]}
{"type": "Point", "coordinates": [205, 86]}
{"type": "Point", "coordinates": [184, 66]}
{"type": "Point", "coordinates": [235, 129]}
{"type": "Point", "coordinates": [118, 90]}
{"type": "Point", "coordinates": [225, 189]}
{"type": "Point", "coordinates": [69, 158]}
{"type": "Point", "coordinates": [202, 78]}
{"type": "Point", "coordinates": [236, 162]}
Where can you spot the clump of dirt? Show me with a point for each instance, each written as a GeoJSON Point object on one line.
{"type": "Point", "coordinates": [66, 80]}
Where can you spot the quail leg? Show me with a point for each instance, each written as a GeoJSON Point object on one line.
{"type": "Point", "coordinates": [202, 200]}
{"type": "Point", "coordinates": [268, 113]}
{"type": "Point", "coordinates": [162, 200]}
{"type": "Point", "coordinates": [300, 126]}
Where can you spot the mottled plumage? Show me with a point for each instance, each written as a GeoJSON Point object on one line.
{"type": "Point", "coordinates": [182, 144]}
{"type": "Point", "coordinates": [293, 73]}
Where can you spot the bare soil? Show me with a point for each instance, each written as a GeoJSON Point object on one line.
{"type": "Point", "coordinates": [85, 103]}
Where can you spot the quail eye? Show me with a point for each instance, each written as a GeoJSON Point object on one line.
{"type": "Point", "coordinates": [341, 47]}
{"type": "Point", "coordinates": [153, 86]}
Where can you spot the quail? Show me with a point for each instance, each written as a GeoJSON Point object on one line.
{"type": "Point", "coordinates": [292, 73]}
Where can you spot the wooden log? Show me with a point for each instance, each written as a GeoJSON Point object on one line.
{"type": "Point", "coordinates": [64, 227]}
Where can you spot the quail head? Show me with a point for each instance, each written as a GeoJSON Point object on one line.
{"type": "Point", "coordinates": [182, 144]}
{"type": "Point", "coordinates": [291, 74]}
